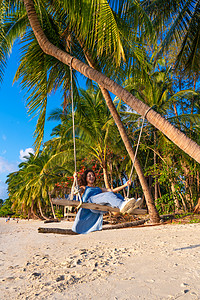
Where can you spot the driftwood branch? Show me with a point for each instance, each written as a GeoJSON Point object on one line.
{"type": "Point", "coordinates": [70, 232]}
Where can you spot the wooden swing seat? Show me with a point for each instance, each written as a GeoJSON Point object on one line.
{"type": "Point", "coordinates": [100, 207]}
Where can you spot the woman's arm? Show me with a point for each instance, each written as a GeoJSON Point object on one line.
{"type": "Point", "coordinates": [82, 189]}
{"type": "Point", "coordinates": [117, 189]}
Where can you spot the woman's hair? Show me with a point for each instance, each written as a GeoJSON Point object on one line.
{"type": "Point", "coordinates": [83, 179]}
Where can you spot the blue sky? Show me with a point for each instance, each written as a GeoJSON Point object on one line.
{"type": "Point", "coordinates": [16, 127]}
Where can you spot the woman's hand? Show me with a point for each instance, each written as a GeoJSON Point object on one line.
{"type": "Point", "coordinates": [128, 182]}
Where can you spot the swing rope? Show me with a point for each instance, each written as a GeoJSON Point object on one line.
{"type": "Point", "coordinates": [73, 113]}
{"type": "Point", "coordinates": [138, 143]}
{"type": "Point", "coordinates": [74, 137]}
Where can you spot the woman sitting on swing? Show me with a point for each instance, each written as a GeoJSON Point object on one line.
{"type": "Point", "coordinates": [91, 220]}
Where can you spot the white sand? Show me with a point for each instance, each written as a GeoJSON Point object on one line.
{"type": "Point", "coordinates": [158, 262]}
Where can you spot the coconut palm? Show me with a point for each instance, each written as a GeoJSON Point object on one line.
{"type": "Point", "coordinates": [155, 119]}
{"type": "Point", "coordinates": [155, 89]}
{"type": "Point", "coordinates": [19, 193]}
{"type": "Point", "coordinates": [178, 21]}
{"type": "Point", "coordinates": [29, 187]}
{"type": "Point", "coordinates": [95, 130]}
{"type": "Point", "coordinates": [51, 49]}
{"type": "Point", "coordinates": [152, 116]}
{"type": "Point", "coordinates": [34, 72]}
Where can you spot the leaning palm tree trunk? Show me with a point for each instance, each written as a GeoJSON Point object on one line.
{"type": "Point", "coordinates": [153, 213]}
{"type": "Point", "coordinates": [175, 135]}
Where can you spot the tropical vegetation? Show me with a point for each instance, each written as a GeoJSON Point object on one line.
{"type": "Point", "coordinates": [144, 52]}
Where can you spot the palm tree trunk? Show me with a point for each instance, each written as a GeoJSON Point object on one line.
{"type": "Point", "coordinates": [180, 139]}
{"type": "Point", "coordinates": [111, 174]}
{"type": "Point", "coordinates": [32, 210]}
{"type": "Point", "coordinates": [120, 178]}
{"type": "Point", "coordinates": [52, 208]}
{"type": "Point", "coordinates": [176, 202]}
{"type": "Point", "coordinates": [155, 167]}
{"type": "Point", "coordinates": [197, 207]}
{"type": "Point", "coordinates": [183, 202]}
{"type": "Point", "coordinates": [105, 176]}
{"type": "Point", "coordinates": [66, 58]}
{"type": "Point", "coordinates": [149, 200]}
{"type": "Point", "coordinates": [153, 213]}
{"type": "Point", "coordinates": [40, 209]}
{"type": "Point", "coordinates": [154, 216]}
{"type": "Point", "coordinates": [186, 175]}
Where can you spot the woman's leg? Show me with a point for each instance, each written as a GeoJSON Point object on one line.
{"type": "Point", "coordinates": [114, 200]}
{"type": "Point", "coordinates": [107, 198]}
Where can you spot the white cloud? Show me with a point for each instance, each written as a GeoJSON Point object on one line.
{"type": "Point", "coordinates": [4, 137]}
{"type": "Point", "coordinates": [3, 190]}
{"type": "Point", "coordinates": [25, 153]}
{"type": "Point", "coordinates": [5, 166]}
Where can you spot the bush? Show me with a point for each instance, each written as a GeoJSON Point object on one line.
{"type": "Point", "coordinates": [59, 214]}
{"type": "Point", "coordinates": [165, 204]}
{"type": "Point", "coordinates": [5, 209]}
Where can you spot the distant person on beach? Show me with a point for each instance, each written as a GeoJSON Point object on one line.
{"type": "Point", "coordinates": [91, 220]}
{"type": "Point", "coordinates": [8, 219]}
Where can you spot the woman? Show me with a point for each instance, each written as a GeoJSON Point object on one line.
{"type": "Point", "coordinates": [91, 220]}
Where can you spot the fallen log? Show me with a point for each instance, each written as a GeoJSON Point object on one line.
{"type": "Point", "coordinates": [70, 232]}
{"type": "Point", "coordinates": [110, 227]}
{"type": "Point", "coordinates": [52, 221]}
{"type": "Point", "coordinates": [56, 231]}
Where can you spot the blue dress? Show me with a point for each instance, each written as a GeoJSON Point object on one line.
{"type": "Point", "coordinates": [88, 220]}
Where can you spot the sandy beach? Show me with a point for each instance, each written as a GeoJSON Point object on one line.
{"type": "Point", "coordinates": [154, 262]}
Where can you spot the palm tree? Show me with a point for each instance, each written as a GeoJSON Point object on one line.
{"type": "Point", "coordinates": [180, 139]}
{"type": "Point", "coordinates": [36, 78]}
{"type": "Point", "coordinates": [155, 89]}
{"type": "Point", "coordinates": [29, 187]}
{"type": "Point", "coordinates": [19, 193]}
{"type": "Point", "coordinates": [186, 144]}
{"type": "Point", "coordinates": [138, 106]}
{"type": "Point", "coordinates": [149, 200]}
{"type": "Point", "coordinates": [96, 133]}
{"type": "Point", "coordinates": [179, 22]}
